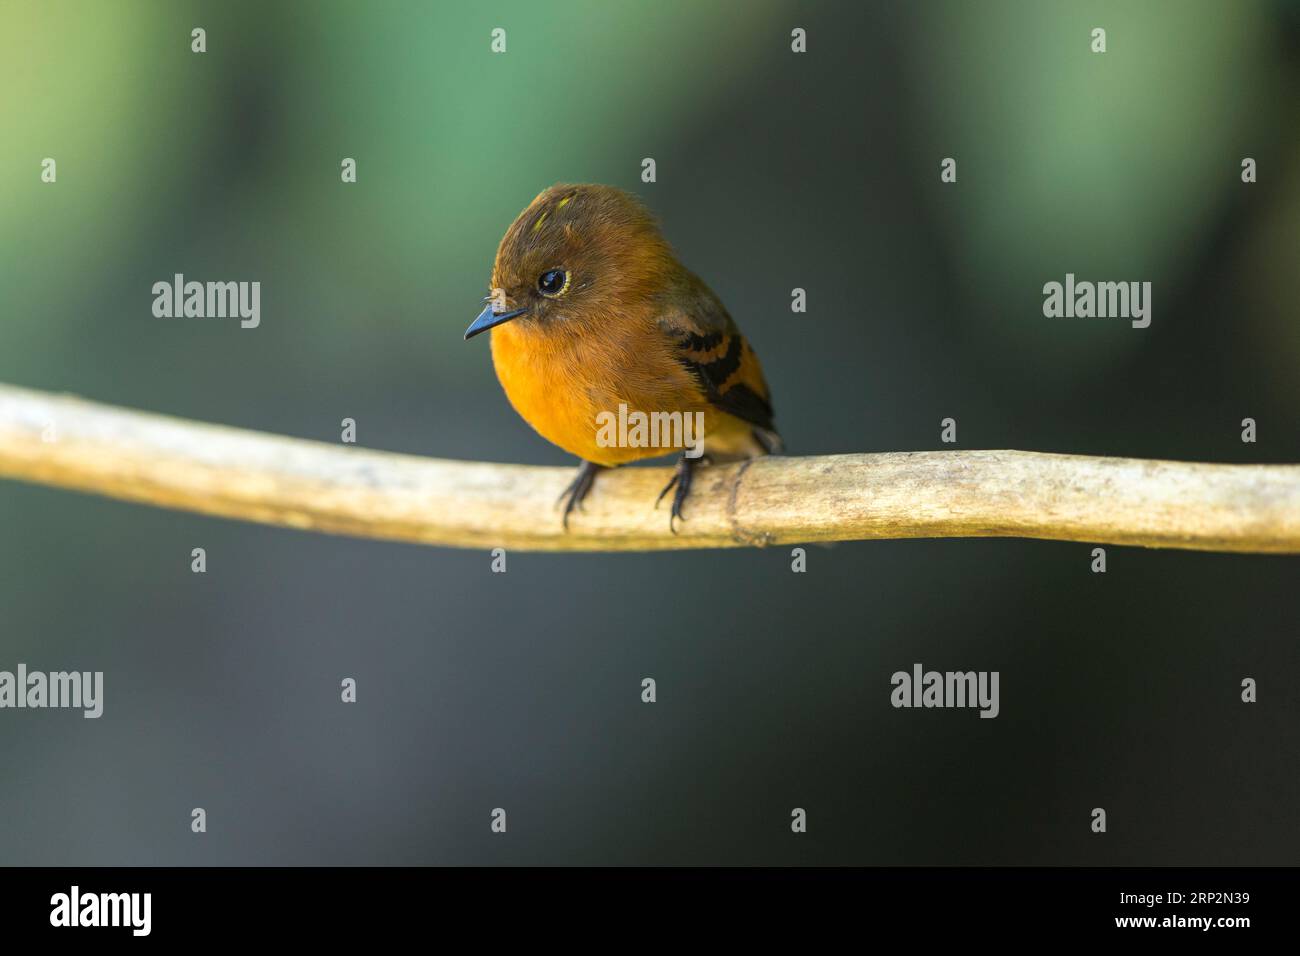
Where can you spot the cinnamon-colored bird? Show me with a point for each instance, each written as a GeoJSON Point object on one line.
{"type": "Point", "coordinates": [590, 311]}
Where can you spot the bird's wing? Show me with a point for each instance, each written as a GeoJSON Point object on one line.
{"type": "Point", "coordinates": [710, 346]}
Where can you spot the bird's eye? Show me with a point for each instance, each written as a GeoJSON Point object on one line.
{"type": "Point", "coordinates": [553, 283]}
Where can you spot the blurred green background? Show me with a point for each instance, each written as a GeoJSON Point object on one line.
{"type": "Point", "coordinates": [775, 170]}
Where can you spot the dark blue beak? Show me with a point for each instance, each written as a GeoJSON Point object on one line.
{"type": "Point", "coordinates": [488, 319]}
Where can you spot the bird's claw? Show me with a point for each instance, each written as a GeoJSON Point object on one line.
{"type": "Point", "coordinates": [577, 490]}
{"type": "Point", "coordinates": [681, 480]}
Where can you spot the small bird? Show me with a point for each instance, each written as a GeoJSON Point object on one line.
{"type": "Point", "coordinates": [591, 310]}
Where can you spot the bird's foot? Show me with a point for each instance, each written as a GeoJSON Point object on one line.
{"type": "Point", "coordinates": [573, 495]}
{"type": "Point", "coordinates": [681, 480]}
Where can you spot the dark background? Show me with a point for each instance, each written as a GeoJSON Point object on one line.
{"type": "Point", "coordinates": [775, 170]}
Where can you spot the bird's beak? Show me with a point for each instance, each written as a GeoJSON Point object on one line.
{"type": "Point", "coordinates": [488, 319]}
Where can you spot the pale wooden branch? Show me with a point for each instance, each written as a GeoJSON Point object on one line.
{"type": "Point", "coordinates": [171, 463]}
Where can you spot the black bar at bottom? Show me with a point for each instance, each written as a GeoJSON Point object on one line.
{"type": "Point", "coordinates": [207, 905]}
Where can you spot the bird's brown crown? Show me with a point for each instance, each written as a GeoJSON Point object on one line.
{"type": "Point", "coordinates": [580, 252]}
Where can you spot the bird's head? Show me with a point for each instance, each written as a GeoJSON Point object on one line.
{"type": "Point", "coordinates": [579, 255]}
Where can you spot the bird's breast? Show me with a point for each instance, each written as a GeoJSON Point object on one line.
{"type": "Point", "coordinates": [562, 384]}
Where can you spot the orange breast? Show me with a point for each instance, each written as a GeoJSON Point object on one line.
{"type": "Point", "coordinates": [561, 383]}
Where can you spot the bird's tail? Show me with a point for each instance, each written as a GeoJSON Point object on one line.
{"type": "Point", "coordinates": [770, 441]}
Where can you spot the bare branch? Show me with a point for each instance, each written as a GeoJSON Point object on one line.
{"type": "Point", "coordinates": [172, 463]}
